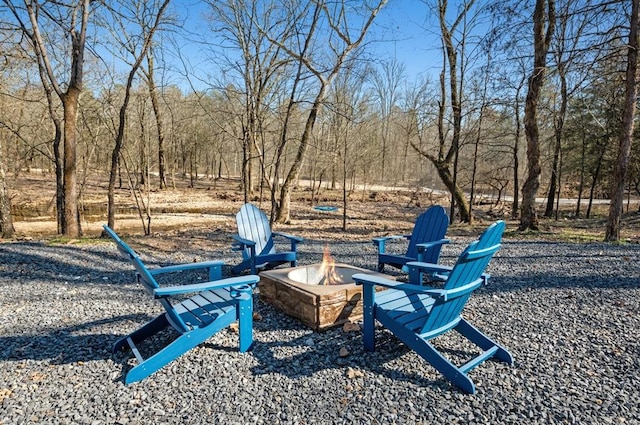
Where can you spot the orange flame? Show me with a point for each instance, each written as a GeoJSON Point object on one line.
{"type": "Point", "coordinates": [328, 269]}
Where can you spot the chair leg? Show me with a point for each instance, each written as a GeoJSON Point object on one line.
{"type": "Point", "coordinates": [175, 349]}
{"type": "Point", "coordinates": [368, 318]}
{"type": "Point", "coordinates": [474, 335]}
{"type": "Point", "coordinates": [442, 365]}
{"type": "Point", "coordinates": [150, 328]}
{"type": "Point", "coordinates": [245, 322]}
{"type": "Point", "coordinates": [238, 269]}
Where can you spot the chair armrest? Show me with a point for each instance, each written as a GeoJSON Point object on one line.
{"type": "Point", "coordinates": [448, 294]}
{"type": "Point", "coordinates": [444, 294]}
{"type": "Point", "coordinates": [381, 242]}
{"type": "Point", "coordinates": [292, 238]}
{"type": "Point", "coordinates": [437, 269]}
{"type": "Point", "coordinates": [247, 281]}
{"type": "Point", "coordinates": [240, 243]}
{"type": "Point", "coordinates": [426, 245]}
{"type": "Point", "coordinates": [367, 279]}
{"type": "Point", "coordinates": [186, 266]}
{"type": "Point", "coordinates": [376, 241]}
{"type": "Point", "coordinates": [428, 267]}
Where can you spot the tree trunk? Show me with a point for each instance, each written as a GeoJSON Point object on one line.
{"type": "Point", "coordinates": [155, 104]}
{"type": "Point", "coordinates": [71, 217]}
{"type": "Point", "coordinates": [594, 181]}
{"type": "Point", "coordinates": [6, 220]}
{"type": "Point", "coordinates": [582, 167]}
{"type": "Point", "coordinates": [528, 214]}
{"type": "Point", "coordinates": [455, 190]}
{"type": "Point", "coordinates": [555, 171]}
{"type": "Point", "coordinates": [612, 233]}
{"type": "Point", "coordinates": [59, 169]}
{"type": "Point", "coordinates": [284, 203]}
{"type": "Point", "coordinates": [515, 206]}
{"type": "Point", "coordinates": [119, 138]}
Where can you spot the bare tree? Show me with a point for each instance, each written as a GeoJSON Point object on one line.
{"type": "Point", "coordinates": [346, 98]}
{"type": "Point", "coordinates": [341, 44]}
{"type": "Point", "coordinates": [148, 19]}
{"type": "Point", "coordinates": [612, 233]}
{"type": "Point", "coordinates": [6, 219]}
{"type": "Point", "coordinates": [261, 67]}
{"type": "Point", "coordinates": [72, 20]}
{"type": "Point", "coordinates": [149, 73]}
{"type": "Point", "coordinates": [454, 38]}
{"type": "Point", "coordinates": [567, 50]}
{"type": "Point", "coordinates": [386, 85]}
{"type": "Point", "coordinates": [483, 98]}
{"type": "Point", "coordinates": [544, 18]}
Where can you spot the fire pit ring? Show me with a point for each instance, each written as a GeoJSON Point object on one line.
{"type": "Point", "coordinates": [299, 292]}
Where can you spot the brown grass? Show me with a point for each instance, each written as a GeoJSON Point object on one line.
{"type": "Point", "coordinates": [208, 209]}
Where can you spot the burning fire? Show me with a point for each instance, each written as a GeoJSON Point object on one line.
{"type": "Point", "coordinates": [328, 269]}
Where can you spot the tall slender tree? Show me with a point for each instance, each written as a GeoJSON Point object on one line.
{"type": "Point", "coordinates": [72, 20]}
{"type": "Point", "coordinates": [544, 20]}
{"type": "Point", "coordinates": [342, 40]}
{"type": "Point", "coordinates": [6, 219]}
{"type": "Point", "coordinates": [149, 74]}
{"type": "Point", "coordinates": [148, 19]}
{"type": "Point", "coordinates": [612, 233]}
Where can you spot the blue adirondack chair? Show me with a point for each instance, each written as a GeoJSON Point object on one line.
{"type": "Point", "coordinates": [256, 241]}
{"type": "Point", "coordinates": [416, 314]}
{"type": "Point", "coordinates": [425, 241]}
{"type": "Point", "coordinates": [215, 305]}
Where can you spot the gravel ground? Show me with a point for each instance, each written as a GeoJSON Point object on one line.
{"type": "Point", "coordinates": [569, 314]}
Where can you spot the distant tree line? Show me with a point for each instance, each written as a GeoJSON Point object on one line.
{"type": "Point", "coordinates": [529, 100]}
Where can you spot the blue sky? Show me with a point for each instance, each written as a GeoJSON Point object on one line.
{"type": "Point", "coordinates": [404, 29]}
{"type": "Point", "coordinates": [411, 35]}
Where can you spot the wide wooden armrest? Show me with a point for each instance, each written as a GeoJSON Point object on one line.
{"type": "Point", "coordinates": [377, 241]}
{"type": "Point", "coordinates": [425, 245]}
{"type": "Point", "coordinates": [439, 270]}
{"type": "Point", "coordinates": [242, 242]}
{"type": "Point", "coordinates": [186, 266]}
{"type": "Point", "coordinates": [448, 294]}
{"type": "Point", "coordinates": [288, 236]}
{"type": "Point", "coordinates": [445, 294]}
{"type": "Point", "coordinates": [428, 267]}
{"type": "Point", "coordinates": [367, 279]}
{"type": "Point", "coordinates": [236, 282]}
{"type": "Point", "coordinates": [477, 253]}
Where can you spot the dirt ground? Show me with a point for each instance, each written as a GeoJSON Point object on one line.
{"type": "Point", "coordinates": [205, 213]}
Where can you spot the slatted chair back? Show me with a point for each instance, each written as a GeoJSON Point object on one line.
{"type": "Point", "coordinates": [465, 277]}
{"type": "Point", "coordinates": [254, 226]}
{"type": "Point", "coordinates": [146, 278]}
{"type": "Point", "coordinates": [431, 225]}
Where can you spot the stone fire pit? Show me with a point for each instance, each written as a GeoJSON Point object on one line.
{"type": "Point", "coordinates": [299, 292]}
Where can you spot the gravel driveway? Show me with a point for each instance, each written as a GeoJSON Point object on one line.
{"type": "Point", "coordinates": [569, 314]}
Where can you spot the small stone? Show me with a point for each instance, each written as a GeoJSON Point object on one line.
{"type": "Point", "coordinates": [344, 352]}
{"type": "Point", "coordinates": [353, 373]}
{"type": "Point", "coordinates": [350, 327]}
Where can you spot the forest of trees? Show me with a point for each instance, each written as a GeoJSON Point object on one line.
{"type": "Point", "coordinates": [527, 99]}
